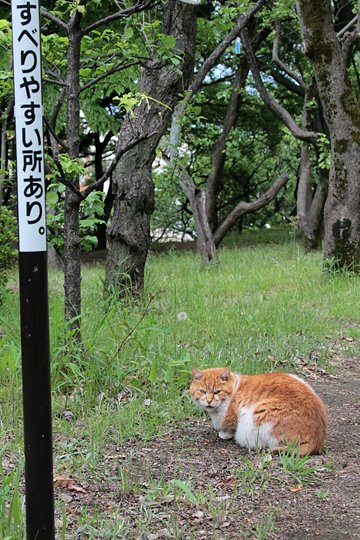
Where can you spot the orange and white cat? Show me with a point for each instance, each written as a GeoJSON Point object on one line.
{"type": "Point", "coordinates": [262, 411]}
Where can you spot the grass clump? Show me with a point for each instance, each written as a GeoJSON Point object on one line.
{"type": "Point", "coordinates": [7, 246]}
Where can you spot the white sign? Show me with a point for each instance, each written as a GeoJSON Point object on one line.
{"type": "Point", "coordinates": [29, 125]}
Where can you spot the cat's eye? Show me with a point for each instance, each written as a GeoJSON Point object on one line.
{"type": "Point", "coordinates": [217, 392]}
{"type": "Point", "coordinates": [202, 391]}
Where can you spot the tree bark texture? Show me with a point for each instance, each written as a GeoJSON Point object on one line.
{"type": "Point", "coordinates": [129, 231]}
{"type": "Point", "coordinates": [72, 254]}
{"type": "Point", "coordinates": [310, 206]}
{"type": "Point", "coordinates": [310, 203]}
{"type": "Point", "coordinates": [204, 237]}
{"type": "Point", "coordinates": [329, 58]}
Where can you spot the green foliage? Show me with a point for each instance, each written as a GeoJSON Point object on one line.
{"type": "Point", "coordinates": [11, 503]}
{"type": "Point", "coordinates": [262, 528]}
{"type": "Point", "coordinates": [7, 245]}
{"type": "Point", "coordinates": [6, 78]}
{"type": "Point", "coordinates": [91, 211]}
{"type": "Point", "coordinates": [129, 101]}
{"type": "Point", "coordinates": [297, 466]}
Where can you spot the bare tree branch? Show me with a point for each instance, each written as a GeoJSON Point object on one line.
{"type": "Point", "coordinates": [347, 27]}
{"type": "Point", "coordinates": [55, 139]}
{"type": "Point", "coordinates": [59, 22]}
{"type": "Point", "coordinates": [211, 60]}
{"type": "Point", "coordinates": [175, 130]}
{"type": "Point", "coordinates": [246, 208]}
{"type": "Point", "coordinates": [57, 107]}
{"type": "Point", "coordinates": [140, 6]}
{"type": "Point", "coordinates": [120, 152]}
{"type": "Point", "coordinates": [352, 37]}
{"type": "Point", "coordinates": [232, 113]}
{"type": "Point", "coordinates": [278, 62]}
{"type": "Point", "coordinates": [65, 179]}
{"type": "Point", "coordinates": [204, 238]}
{"type": "Point", "coordinates": [270, 101]}
{"type": "Point", "coordinates": [115, 69]}
{"type": "Point", "coordinates": [288, 83]}
{"type": "Point", "coordinates": [218, 154]}
{"type": "Point", "coordinates": [56, 82]}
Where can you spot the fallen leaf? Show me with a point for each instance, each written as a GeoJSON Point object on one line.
{"type": "Point", "coordinates": [297, 488]}
{"type": "Point", "coordinates": [199, 515]}
{"type": "Point", "coordinates": [76, 488]}
{"type": "Point", "coordinates": [61, 481]}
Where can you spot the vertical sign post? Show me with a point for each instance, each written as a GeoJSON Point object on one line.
{"type": "Point", "coordinates": [35, 347]}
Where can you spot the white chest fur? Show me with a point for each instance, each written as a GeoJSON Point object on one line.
{"type": "Point", "coordinates": [251, 436]}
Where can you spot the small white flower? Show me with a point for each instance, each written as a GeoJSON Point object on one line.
{"type": "Point", "coordinates": [182, 316]}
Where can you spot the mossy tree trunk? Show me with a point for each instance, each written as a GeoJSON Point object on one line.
{"type": "Point", "coordinates": [329, 55]}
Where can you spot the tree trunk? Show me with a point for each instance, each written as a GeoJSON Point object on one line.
{"type": "Point", "coordinates": [218, 157]}
{"type": "Point", "coordinates": [248, 207]}
{"type": "Point", "coordinates": [204, 237]}
{"type": "Point", "coordinates": [129, 232]}
{"type": "Point", "coordinates": [72, 254]}
{"type": "Point", "coordinates": [72, 262]}
{"type": "Point", "coordinates": [310, 205]}
{"type": "Point", "coordinates": [329, 59]}
{"type": "Point", "coordinates": [310, 208]}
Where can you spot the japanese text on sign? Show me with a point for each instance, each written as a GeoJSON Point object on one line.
{"type": "Point", "coordinates": [29, 128]}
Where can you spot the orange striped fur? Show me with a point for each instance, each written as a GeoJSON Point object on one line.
{"type": "Point", "coordinates": [262, 411]}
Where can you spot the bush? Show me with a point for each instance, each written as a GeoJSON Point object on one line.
{"type": "Point", "coordinates": [7, 245]}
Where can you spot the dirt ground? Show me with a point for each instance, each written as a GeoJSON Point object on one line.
{"type": "Point", "coordinates": [244, 495]}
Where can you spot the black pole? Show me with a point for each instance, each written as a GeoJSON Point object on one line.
{"type": "Point", "coordinates": [36, 396]}
{"type": "Point", "coordinates": [35, 348]}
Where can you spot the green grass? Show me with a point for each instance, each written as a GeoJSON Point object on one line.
{"type": "Point", "coordinates": [11, 503]}
{"type": "Point", "coordinates": [265, 307]}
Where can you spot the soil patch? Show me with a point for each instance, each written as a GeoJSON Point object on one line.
{"type": "Point", "coordinates": [189, 484]}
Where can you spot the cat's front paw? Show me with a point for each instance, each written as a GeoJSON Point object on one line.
{"type": "Point", "coordinates": [225, 434]}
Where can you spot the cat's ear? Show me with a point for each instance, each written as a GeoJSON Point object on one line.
{"type": "Point", "coordinates": [196, 374]}
{"type": "Point", "coordinates": [224, 375]}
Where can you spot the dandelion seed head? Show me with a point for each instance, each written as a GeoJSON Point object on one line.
{"type": "Point", "coordinates": [182, 316]}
